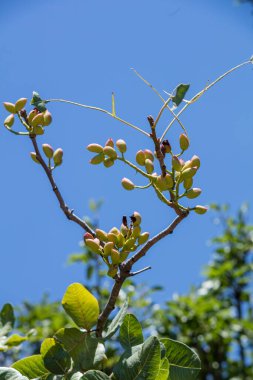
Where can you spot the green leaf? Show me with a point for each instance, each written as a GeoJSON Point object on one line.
{"type": "Point", "coordinates": [95, 375]}
{"type": "Point", "coordinates": [7, 315]}
{"type": "Point", "coordinates": [31, 367]}
{"type": "Point", "coordinates": [117, 321]}
{"type": "Point", "coordinates": [86, 351]}
{"type": "Point", "coordinates": [10, 374]}
{"type": "Point", "coordinates": [56, 359]}
{"type": "Point", "coordinates": [180, 93]}
{"type": "Point", "coordinates": [81, 306]}
{"type": "Point", "coordinates": [163, 371]}
{"type": "Point", "coordinates": [130, 332]}
{"type": "Point", "coordinates": [184, 362]}
{"type": "Point", "coordinates": [15, 340]}
{"type": "Point", "coordinates": [38, 102]}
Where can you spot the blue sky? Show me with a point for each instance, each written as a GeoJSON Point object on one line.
{"type": "Point", "coordinates": [82, 51]}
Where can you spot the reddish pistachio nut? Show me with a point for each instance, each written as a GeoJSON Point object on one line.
{"type": "Point", "coordinates": [184, 141]}
{"type": "Point", "coordinates": [93, 245]}
{"type": "Point", "coordinates": [31, 116]}
{"type": "Point", "coordinates": [110, 143]}
{"type": "Point", "coordinates": [181, 162]}
{"type": "Point", "coordinates": [87, 235]}
{"type": "Point", "coordinates": [110, 152]}
{"type": "Point", "coordinates": [20, 104]}
{"type": "Point", "coordinates": [176, 164]}
{"type": "Point", "coordinates": [136, 218]}
{"type": "Point", "coordinates": [47, 116]}
{"type": "Point", "coordinates": [97, 159]}
{"type": "Point", "coordinates": [188, 183]}
{"type": "Point", "coordinates": [188, 173]}
{"type": "Point", "coordinates": [121, 145]}
{"type": "Point", "coordinates": [108, 162]}
{"type": "Point", "coordinates": [112, 271]}
{"type": "Point", "coordinates": [101, 235]}
{"type": "Point", "coordinates": [38, 130]}
{"type": "Point", "coordinates": [195, 161]}
{"type": "Point", "coordinates": [57, 156]}
{"type": "Point", "coordinates": [108, 248]}
{"type": "Point", "coordinates": [136, 232]}
{"type": "Point", "coordinates": [95, 148]}
{"type": "Point", "coordinates": [149, 166]}
{"type": "Point", "coordinates": [200, 209]}
{"type": "Point", "coordinates": [193, 193]}
{"type": "Point", "coordinates": [34, 157]}
{"type": "Point", "coordinates": [127, 184]}
{"type": "Point", "coordinates": [48, 150]}
{"type": "Point", "coordinates": [37, 120]}
{"type": "Point", "coordinates": [149, 155]}
{"type": "Point", "coordinates": [9, 121]}
{"type": "Point", "coordinates": [140, 157]}
{"type": "Point", "coordinates": [10, 107]}
{"type": "Point", "coordinates": [143, 238]}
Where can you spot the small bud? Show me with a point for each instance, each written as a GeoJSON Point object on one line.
{"type": "Point", "coordinates": [188, 183]}
{"type": "Point", "coordinates": [188, 173]}
{"type": "Point", "coordinates": [47, 116]}
{"type": "Point", "coordinates": [101, 235]}
{"type": "Point", "coordinates": [136, 218]}
{"type": "Point", "coordinates": [176, 164]}
{"type": "Point", "coordinates": [108, 248]}
{"type": "Point", "coordinates": [34, 157]}
{"type": "Point", "coordinates": [10, 107]}
{"type": "Point", "coordinates": [31, 116]}
{"type": "Point", "coordinates": [136, 232]}
{"type": "Point", "coordinates": [112, 271]}
{"type": "Point", "coordinates": [143, 238]}
{"type": "Point", "coordinates": [127, 184]}
{"type": "Point", "coordinates": [110, 152]}
{"type": "Point", "coordinates": [167, 146]}
{"type": "Point", "coordinates": [193, 193]}
{"type": "Point", "coordinates": [121, 145]}
{"type": "Point", "coordinates": [149, 166]}
{"type": "Point", "coordinates": [108, 162]}
{"type": "Point", "coordinates": [57, 156]}
{"type": "Point", "coordinates": [195, 161]}
{"type": "Point", "coordinates": [48, 150]}
{"type": "Point", "coordinates": [93, 245]}
{"type": "Point", "coordinates": [96, 160]}
{"type": "Point", "coordinates": [20, 104]}
{"type": "Point", "coordinates": [87, 235]}
{"type": "Point", "coordinates": [140, 157]}
{"type": "Point", "coordinates": [38, 130]}
{"type": "Point", "coordinates": [95, 148]}
{"type": "Point", "coordinates": [149, 155]}
{"type": "Point", "coordinates": [200, 209]}
{"type": "Point", "coordinates": [37, 120]}
{"type": "Point", "coordinates": [184, 142]}
{"type": "Point", "coordinates": [9, 121]}
{"type": "Point", "coordinates": [110, 143]}
{"type": "Point", "coordinates": [115, 256]}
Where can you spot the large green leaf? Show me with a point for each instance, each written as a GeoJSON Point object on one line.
{"type": "Point", "coordinates": [180, 93]}
{"type": "Point", "coordinates": [15, 340]}
{"type": "Point", "coordinates": [56, 359]}
{"type": "Point", "coordinates": [86, 351]}
{"type": "Point", "coordinates": [116, 322]}
{"type": "Point", "coordinates": [81, 306]}
{"type": "Point", "coordinates": [130, 332]}
{"type": "Point", "coordinates": [7, 315]}
{"type": "Point", "coordinates": [184, 362]}
{"type": "Point", "coordinates": [31, 367]}
{"type": "Point", "coordinates": [10, 374]}
{"type": "Point", "coordinates": [95, 375]}
{"type": "Point", "coordinates": [163, 372]}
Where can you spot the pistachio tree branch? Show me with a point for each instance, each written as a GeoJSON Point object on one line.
{"type": "Point", "coordinates": [67, 211]}
{"type": "Point", "coordinates": [126, 267]}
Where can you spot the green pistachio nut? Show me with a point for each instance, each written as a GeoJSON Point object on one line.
{"type": "Point", "coordinates": [200, 209]}
{"type": "Point", "coordinates": [34, 157]}
{"type": "Point", "coordinates": [110, 152]}
{"type": "Point", "coordinates": [136, 218]}
{"type": "Point", "coordinates": [108, 248]}
{"type": "Point", "coordinates": [176, 164]}
{"type": "Point", "coordinates": [149, 155]}
{"type": "Point", "coordinates": [47, 116]}
{"type": "Point", "coordinates": [193, 193]}
{"type": "Point", "coordinates": [143, 238]}
{"type": "Point", "coordinates": [31, 116]}
{"type": "Point", "coordinates": [9, 121]}
{"type": "Point", "coordinates": [38, 130]}
{"type": "Point", "coordinates": [115, 256]}
{"type": "Point", "coordinates": [93, 245]}
{"type": "Point", "coordinates": [140, 157]}
{"type": "Point", "coordinates": [129, 244]}
{"type": "Point", "coordinates": [121, 145]}
{"type": "Point", "coordinates": [120, 240]}
{"type": "Point", "coordinates": [188, 183]}
{"type": "Point", "coordinates": [20, 104]}
{"type": "Point", "coordinates": [112, 237]}
{"type": "Point", "coordinates": [110, 143]}
{"type": "Point", "coordinates": [127, 184]}
{"type": "Point", "coordinates": [136, 232]}
{"type": "Point", "coordinates": [10, 107]}
{"type": "Point", "coordinates": [164, 183]}
{"type": "Point", "coordinates": [48, 150]}
{"type": "Point", "coordinates": [108, 162]}
{"type": "Point", "coordinates": [37, 120]}
{"type": "Point", "coordinates": [96, 160]}
{"type": "Point", "coordinates": [124, 230]}
{"type": "Point", "coordinates": [95, 148]}
{"type": "Point", "coordinates": [123, 256]}
{"type": "Point", "coordinates": [149, 166]}
{"type": "Point", "coordinates": [101, 235]}
{"type": "Point", "coordinates": [188, 173]}
{"type": "Point", "coordinates": [57, 156]}
{"type": "Point", "coordinates": [195, 161]}
{"type": "Point", "coordinates": [114, 230]}
{"type": "Point", "coordinates": [184, 141]}
{"type": "Point", "coordinates": [112, 271]}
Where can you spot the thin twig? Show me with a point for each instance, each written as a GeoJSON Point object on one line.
{"type": "Point", "coordinates": [156, 141]}
{"type": "Point", "coordinates": [139, 271]}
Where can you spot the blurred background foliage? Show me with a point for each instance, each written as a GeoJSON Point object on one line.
{"type": "Point", "coordinates": [214, 318]}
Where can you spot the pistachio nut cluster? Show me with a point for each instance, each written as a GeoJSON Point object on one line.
{"type": "Point", "coordinates": [52, 155]}
{"type": "Point", "coordinates": [107, 153]}
{"type": "Point", "coordinates": [115, 246]}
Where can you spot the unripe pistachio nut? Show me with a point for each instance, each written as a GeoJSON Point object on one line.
{"type": "Point", "coordinates": [188, 173]}
{"type": "Point", "coordinates": [112, 271]}
{"type": "Point", "coordinates": [140, 157]}
{"type": "Point", "coordinates": [176, 164]}
{"type": "Point", "coordinates": [37, 120]}
{"type": "Point", "coordinates": [123, 256]}
{"type": "Point", "coordinates": [167, 146]}
{"type": "Point", "coordinates": [34, 157]}
{"type": "Point", "coordinates": [93, 245]}
{"type": "Point", "coordinates": [95, 148]}
{"type": "Point", "coordinates": [149, 155]}
{"type": "Point", "coordinates": [136, 232]}
{"type": "Point", "coordinates": [9, 121]}
{"type": "Point", "coordinates": [136, 218]}
{"type": "Point", "coordinates": [20, 104]}
{"type": "Point", "coordinates": [184, 141]}
{"type": "Point", "coordinates": [110, 143]}
{"type": "Point", "coordinates": [143, 238]}
{"type": "Point", "coordinates": [47, 118]}
{"type": "Point", "coordinates": [108, 162]}
{"type": "Point", "coordinates": [87, 235]}
{"type": "Point", "coordinates": [193, 193]}
{"type": "Point", "coordinates": [57, 156]}
{"type": "Point", "coordinates": [149, 166]}
{"type": "Point", "coordinates": [31, 116]}
{"type": "Point", "coordinates": [129, 244]}
{"type": "Point", "coordinates": [101, 235]}
{"type": "Point", "coordinates": [124, 230]}
{"type": "Point", "coordinates": [200, 209]}
{"type": "Point", "coordinates": [188, 183]}
{"type": "Point", "coordinates": [107, 248]}
{"type": "Point", "coordinates": [127, 184]}
{"type": "Point", "coordinates": [115, 256]}
{"type": "Point", "coordinates": [195, 161]}
{"type": "Point", "coordinates": [48, 150]}
{"type": "Point", "coordinates": [114, 230]}
{"type": "Point", "coordinates": [38, 130]}
{"type": "Point", "coordinates": [121, 145]}
{"type": "Point", "coordinates": [110, 152]}
{"type": "Point", "coordinates": [96, 160]}
{"type": "Point", "coordinates": [121, 240]}
{"type": "Point", "coordinates": [10, 107]}
{"type": "Point", "coordinates": [112, 237]}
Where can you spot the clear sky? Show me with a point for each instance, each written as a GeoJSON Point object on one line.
{"type": "Point", "coordinates": [82, 51]}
